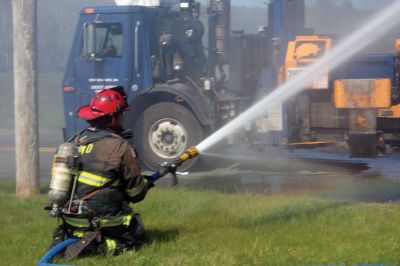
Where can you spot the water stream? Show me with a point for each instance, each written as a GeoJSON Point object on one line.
{"type": "Point", "coordinates": [377, 26]}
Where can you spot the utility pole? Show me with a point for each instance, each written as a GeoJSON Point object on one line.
{"type": "Point", "coordinates": [26, 97]}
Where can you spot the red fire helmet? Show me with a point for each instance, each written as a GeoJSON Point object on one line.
{"type": "Point", "coordinates": [106, 102]}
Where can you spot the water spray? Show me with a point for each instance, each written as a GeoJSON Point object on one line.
{"type": "Point", "coordinates": [355, 42]}
{"type": "Point", "coordinates": [170, 168]}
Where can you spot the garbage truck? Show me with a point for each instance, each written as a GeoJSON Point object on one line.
{"type": "Point", "coordinates": [181, 91]}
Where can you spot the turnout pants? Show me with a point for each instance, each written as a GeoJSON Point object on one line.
{"type": "Point", "coordinates": [111, 239]}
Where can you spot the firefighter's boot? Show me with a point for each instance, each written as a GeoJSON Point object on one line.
{"type": "Point", "coordinates": [110, 247]}
{"type": "Point", "coordinates": [59, 235]}
{"type": "Point", "coordinates": [77, 248]}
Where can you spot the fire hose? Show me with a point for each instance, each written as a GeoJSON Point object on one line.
{"type": "Point", "coordinates": [166, 168]}
{"type": "Point", "coordinates": [44, 261]}
{"type": "Point", "coordinates": [170, 168]}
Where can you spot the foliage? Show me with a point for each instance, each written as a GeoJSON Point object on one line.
{"type": "Point", "coordinates": [208, 228]}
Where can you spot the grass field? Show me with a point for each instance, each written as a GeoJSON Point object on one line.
{"type": "Point", "coordinates": [208, 228]}
{"type": "Point", "coordinates": [49, 100]}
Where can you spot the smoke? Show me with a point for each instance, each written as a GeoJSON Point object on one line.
{"type": "Point", "coordinates": [341, 17]}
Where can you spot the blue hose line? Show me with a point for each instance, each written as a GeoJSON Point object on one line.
{"type": "Point", "coordinates": [157, 175]}
{"type": "Point", "coordinates": [54, 250]}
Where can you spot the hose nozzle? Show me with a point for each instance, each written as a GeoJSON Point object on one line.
{"type": "Point", "coordinates": [189, 153]}
{"type": "Point", "coordinates": [171, 167]}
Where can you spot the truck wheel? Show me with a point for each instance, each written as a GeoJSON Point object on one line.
{"type": "Point", "coordinates": [164, 131]}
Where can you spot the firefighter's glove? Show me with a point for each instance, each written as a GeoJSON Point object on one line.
{"type": "Point", "coordinates": [148, 179]}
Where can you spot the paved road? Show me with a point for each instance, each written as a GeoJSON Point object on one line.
{"type": "Point", "coordinates": [48, 142]}
{"type": "Point", "coordinates": [323, 174]}
{"type": "Point", "coordinates": [276, 171]}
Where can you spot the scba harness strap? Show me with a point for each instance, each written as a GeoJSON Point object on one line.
{"type": "Point", "coordinates": [84, 223]}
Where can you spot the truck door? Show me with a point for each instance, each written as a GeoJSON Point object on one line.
{"type": "Point", "coordinates": [104, 57]}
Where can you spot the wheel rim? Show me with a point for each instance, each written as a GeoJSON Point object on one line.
{"type": "Point", "coordinates": [167, 138]}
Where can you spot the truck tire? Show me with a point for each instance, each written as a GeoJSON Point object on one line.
{"type": "Point", "coordinates": [163, 132]}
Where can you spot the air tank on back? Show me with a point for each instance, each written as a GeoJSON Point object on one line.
{"type": "Point", "coordinates": [64, 168]}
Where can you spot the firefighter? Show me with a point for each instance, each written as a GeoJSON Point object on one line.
{"type": "Point", "coordinates": [108, 180]}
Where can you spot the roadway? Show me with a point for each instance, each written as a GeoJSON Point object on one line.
{"type": "Point", "coordinates": [273, 172]}
{"type": "Point", "coordinates": [48, 142]}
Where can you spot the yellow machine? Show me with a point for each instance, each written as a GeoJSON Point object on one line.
{"type": "Point", "coordinates": [392, 112]}
{"type": "Point", "coordinates": [338, 106]}
{"type": "Point", "coordinates": [362, 93]}
{"type": "Point", "coordinates": [303, 51]}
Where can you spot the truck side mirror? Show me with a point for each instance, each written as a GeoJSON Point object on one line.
{"type": "Point", "coordinates": [89, 37]}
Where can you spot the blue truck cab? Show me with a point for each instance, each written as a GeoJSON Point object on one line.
{"type": "Point", "coordinates": [111, 47]}
{"type": "Point", "coordinates": [156, 54]}
{"type": "Point", "coordinates": [179, 91]}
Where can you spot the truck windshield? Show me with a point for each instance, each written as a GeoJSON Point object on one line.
{"type": "Point", "coordinates": [103, 40]}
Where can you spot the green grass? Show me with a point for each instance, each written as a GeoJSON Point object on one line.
{"type": "Point", "coordinates": [208, 228]}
